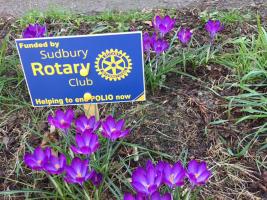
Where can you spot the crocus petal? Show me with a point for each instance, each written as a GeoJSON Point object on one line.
{"type": "Point", "coordinates": [155, 196]}
{"type": "Point", "coordinates": [75, 149]}
{"type": "Point", "coordinates": [106, 128]}
{"type": "Point", "coordinates": [68, 179]}
{"type": "Point", "coordinates": [120, 124]}
{"type": "Point", "coordinates": [50, 119]}
{"type": "Point", "coordinates": [70, 171]}
{"type": "Point", "coordinates": [192, 166]}
{"type": "Point", "coordinates": [151, 175]}
{"type": "Point", "coordinates": [125, 133]}
{"type": "Point", "coordinates": [139, 187]}
{"type": "Point", "coordinates": [202, 167]}
{"type": "Point", "coordinates": [128, 196]}
{"type": "Point", "coordinates": [38, 153]}
{"type": "Point", "coordinates": [79, 140]}
{"type": "Point", "coordinates": [111, 122]}
{"type": "Point", "coordinates": [69, 114]}
{"type": "Point", "coordinates": [166, 196]}
{"type": "Point", "coordinates": [204, 176]}
{"type": "Point", "coordinates": [152, 189]}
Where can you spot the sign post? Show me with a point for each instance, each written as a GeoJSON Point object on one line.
{"type": "Point", "coordinates": [90, 109]}
{"type": "Point", "coordinates": [83, 70]}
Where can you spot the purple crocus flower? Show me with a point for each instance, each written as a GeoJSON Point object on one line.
{"type": "Point", "coordinates": [114, 130]}
{"type": "Point", "coordinates": [87, 143]}
{"type": "Point", "coordinates": [164, 24]}
{"type": "Point", "coordinates": [83, 124]}
{"type": "Point", "coordinates": [184, 35]}
{"type": "Point", "coordinates": [55, 165]}
{"type": "Point", "coordinates": [62, 120]}
{"type": "Point", "coordinates": [174, 175]}
{"type": "Point", "coordinates": [78, 171]}
{"type": "Point", "coordinates": [96, 178]}
{"type": "Point", "coordinates": [148, 41]}
{"type": "Point", "coordinates": [157, 196]}
{"type": "Point", "coordinates": [198, 172]}
{"type": "Point", "coordinates": [146, 181]}
{"type": "Point", "coordinates": [38, 158]}
{"type": "Point", "coordinates": [213, 26]}
{"type": "Point", "coordinates": [34, 31]}
{"type": "Point", "coordinates": [159, 46]}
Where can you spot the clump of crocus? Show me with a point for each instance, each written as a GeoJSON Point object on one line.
{"type": "Point", "coordinates": [34, 31]}
{"type": "Point", "coordinates": [164, 24]}
{"type": "Point", "coordinates": [174, 174]}
{"type": "Point", "coordinates": [114, 130]}
{"type": "Point", "coordinates": [62, 120]}
{"type": "Point", "coordinates": [184, 35]}
{"type": "Point", "coordinates": [55, 165]}
{"type": "Point", "coordinates": [213, 27]}
{"type": "Point", "coordinates": [146, 180]}
{"type": "Point", "coordinates": [77, 171]}
{"type": "Point", "coordinates": [84, 123]}
{"type": "Point", "coordinates": [87, 143]}
{"type": "Point", "coordinates": [198, 172]}
{"type": "Point", "coordinates": [160, 45]}
{"type": "Point", "coordinates": [38, 158]}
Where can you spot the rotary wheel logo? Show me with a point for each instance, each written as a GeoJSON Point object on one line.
{"type": "Point", "coordinates": [113, 65]}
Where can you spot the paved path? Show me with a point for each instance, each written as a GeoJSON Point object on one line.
{"type": "Point", "coordinates": [19, 7]}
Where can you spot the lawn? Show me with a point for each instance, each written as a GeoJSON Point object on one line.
{"type": "Point", "coordinates": [206, 103]}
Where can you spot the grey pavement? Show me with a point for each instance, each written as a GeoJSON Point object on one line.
{"type": "Point", "coordinates": [17, 8]}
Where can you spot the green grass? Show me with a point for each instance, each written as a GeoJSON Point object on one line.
{"type": "Point", "coordinates": [248, 60]}
{"type": "Point", "coordinates": [253, 105]}
{"type": "Point", "coordinates": [249, 56]}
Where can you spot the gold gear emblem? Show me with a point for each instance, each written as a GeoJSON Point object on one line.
{"type": "Point", "coordinates": [113, 65]}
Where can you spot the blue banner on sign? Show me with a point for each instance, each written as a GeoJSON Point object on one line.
{"type": "Point", "coordinates": [73, 70]}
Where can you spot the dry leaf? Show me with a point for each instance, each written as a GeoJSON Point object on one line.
{"type": "Point", "coordinates": [148, 23]}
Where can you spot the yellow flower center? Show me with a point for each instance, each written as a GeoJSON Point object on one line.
{"type": "Point", "coordinates": [62, 121]}
{"type": "Point", "coordinates": [39, 162]}
{"type": "Point", "coordinates": [113, 129]}
{"type": "Point", "coordinates": [57, 166]}
{"type": "Point", "coordinates": [172, 178]}
{"type": "Point", "coordinates": [197, 175]}
{"type": "Point", "coordinates": [79, 175]}
{"type": "Point", "coordinates": [146, 185]}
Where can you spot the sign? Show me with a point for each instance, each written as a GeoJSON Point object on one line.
{"type": "Point", "coordinates": [73, 70]}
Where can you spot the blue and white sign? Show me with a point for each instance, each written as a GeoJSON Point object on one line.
{"type": "Point", "coordinates": [73, 70]}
